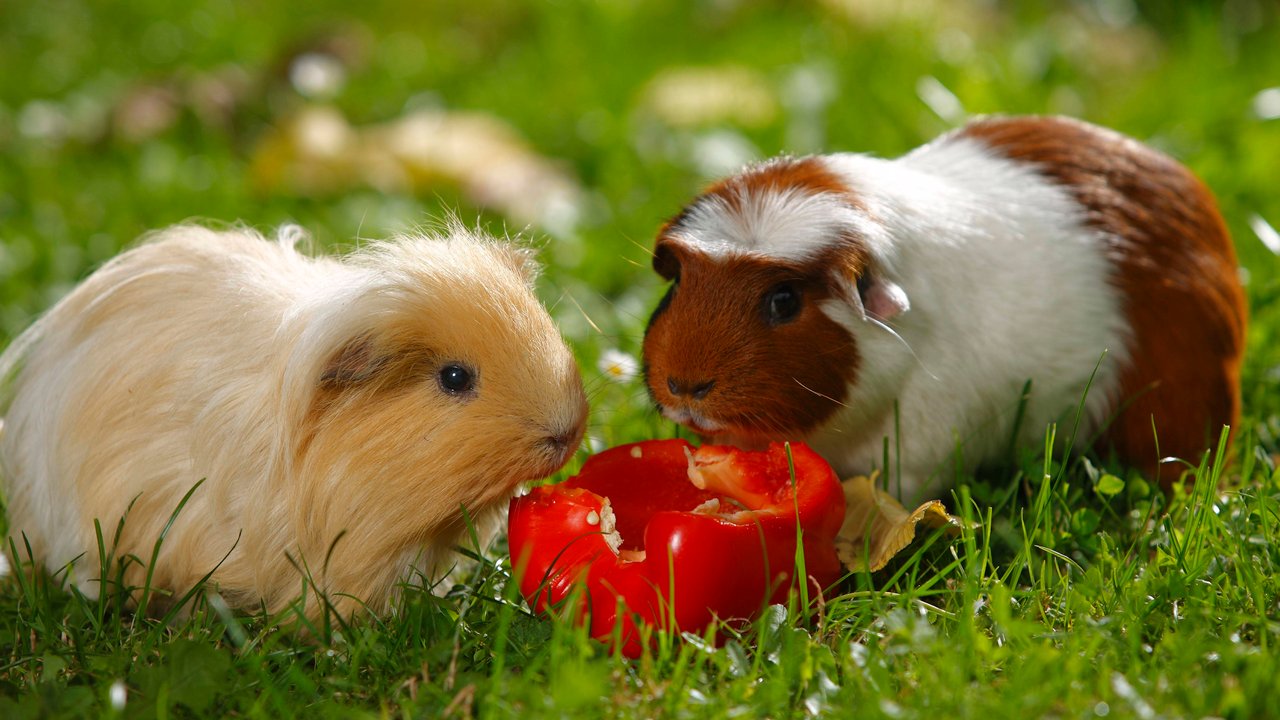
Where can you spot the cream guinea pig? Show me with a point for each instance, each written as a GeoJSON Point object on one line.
{"type": "Point", "coordinates": [341, 412]}
{"type": "Point", "coordinates": [810, 295]}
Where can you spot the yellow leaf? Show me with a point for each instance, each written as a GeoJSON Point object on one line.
{"type": "Point", "coordinates": [877, 527]}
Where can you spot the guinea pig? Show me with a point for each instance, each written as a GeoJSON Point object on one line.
{"type": "Point", "coordinates": [342, 413]}
{"type": "Point", "coordinates": [844, 299]}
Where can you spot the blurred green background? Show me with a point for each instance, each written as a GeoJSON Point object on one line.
{"type": "Point", "coordinates": [580, 124]}
{"type": "Point", "coordinates": [583, 125]}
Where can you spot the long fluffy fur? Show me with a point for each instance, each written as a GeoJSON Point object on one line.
{"type": "Point", "coordinates": [303, 391]}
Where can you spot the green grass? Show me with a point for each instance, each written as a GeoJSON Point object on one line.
{"type": "Point", "coordinates": [1082, 595]}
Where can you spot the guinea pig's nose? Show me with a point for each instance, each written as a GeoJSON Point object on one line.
{"type": "Point", "coordinates": [560, 441]}
{"type": "Point", "coordinates": [696, 390]}
{"type": "Point", "coordinates": [563, 442]}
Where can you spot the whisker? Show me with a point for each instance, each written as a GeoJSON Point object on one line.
{"type": "Point", "coordinates": [590, 322]}
{"type": "Point", "coordinates": [821, 395]}
{"type": "Point", "coordinates": [645, 248]}
{"type": "Point", "coordinates": [551, 308]}
{"type": "Point", "coordinates": [880, 323]}
{"type": "Point", "coordinates": [621, 313]}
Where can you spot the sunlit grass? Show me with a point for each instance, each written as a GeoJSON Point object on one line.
{"type": "Point", "coordinates": [1136, 606]}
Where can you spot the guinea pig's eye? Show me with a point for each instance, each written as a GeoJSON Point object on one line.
{"type": "Point", "coordinates": [456, 379]}
{"type": "Point", "coordinates": [782, 304]}
{"type": "Point", "coordinates": [864, 284]}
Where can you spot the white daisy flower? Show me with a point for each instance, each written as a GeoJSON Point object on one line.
{"type": "Point", "coordinates": [118, 694]}
{"type": "Point", "coordinates": [618, 366]}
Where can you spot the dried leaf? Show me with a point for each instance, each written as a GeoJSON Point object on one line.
{"type": "Point", "coordinates": [877, 527]}
{"type": "Point", "coordinates": [692, 97]}
{"type": "Point", "coordinates": [318, 151]}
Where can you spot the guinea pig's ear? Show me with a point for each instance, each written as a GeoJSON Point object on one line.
{"type": "Point", "coordinates": [881, 298]}
{"type": "Point", "coordinates": [665, 262]}
{"type": "Point", "coordinates": [355, 362]}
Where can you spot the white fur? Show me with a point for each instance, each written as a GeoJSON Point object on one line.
{"type": "Point", "coordinates": [1005, 284]}
{"type": "Point", "coordinates": [791, 225]}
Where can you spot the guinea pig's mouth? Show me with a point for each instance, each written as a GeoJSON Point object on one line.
{"type": "Point", "coordinates": [691, 419]}
{"type": "Point", "coordinates": [721, 432]}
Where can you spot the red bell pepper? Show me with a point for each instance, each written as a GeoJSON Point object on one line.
{"type": "Point", "coordinates": [662, 533]}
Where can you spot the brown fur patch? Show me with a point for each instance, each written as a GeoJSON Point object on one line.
{"type": "Point", "coordinates": [1176, 268]}
{"type": "Point", "coordinates": [770, 381]}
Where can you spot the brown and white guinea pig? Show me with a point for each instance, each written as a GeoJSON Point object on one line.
{"type": "Point", "coordinates": [341, 412]}
{"type": "Point", "coordinates": [809, 295]}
